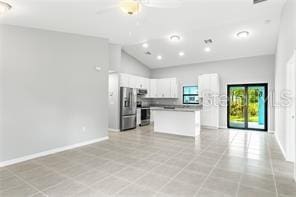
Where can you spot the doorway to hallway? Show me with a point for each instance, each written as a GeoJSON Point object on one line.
{"type": "Point", "coordinates": [247, 106]}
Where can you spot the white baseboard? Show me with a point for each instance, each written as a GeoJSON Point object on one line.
{"type": "Point", "coordinates": [49, 152]}
{"type": "Point", "coordinates": [281, 147]}
{"type": "Point", "coordinates": [271, 131]}
{"type": "Point", "coordinates": [223, 127]}
{"type": "Point", "coordinates": [115, 130]}
{"type": "Point", "coordinates": [208, 127]}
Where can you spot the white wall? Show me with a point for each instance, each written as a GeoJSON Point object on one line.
{"type": "Point", "coordinates": [286, 45]}
{"type": "Point", "coordinates": [130, 65]}
{"type": "Point", "coordinates": [51, 90]}
{"type": "Point", "coordinates": [114, 104]}
{"type": "Point", "coordinates": [114, 57]}
{"type": "Point", "coordinates": [245, 70]}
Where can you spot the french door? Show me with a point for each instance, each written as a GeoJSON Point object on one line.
{"type": "Point", "coordinates": [247, 106]}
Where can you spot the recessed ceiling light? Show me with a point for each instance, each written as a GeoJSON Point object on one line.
{"type": "Point", "coordinates": [175, 38]}
{"type": "Point", "coordinates": [181, 53]}
{"type": "Point", "coordinates": [243, 34]}
{"type": "Point", "coordinates": [207, 49]}
{"type": "Point", "coordinates": [159, 57]}
{"type": "Point", "coordinates": [4, 7]}
{"type": "Point", "coordinates": [145, 45]}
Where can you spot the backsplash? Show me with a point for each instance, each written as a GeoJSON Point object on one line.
{"type": "Point", "coordinates": [164, 101]}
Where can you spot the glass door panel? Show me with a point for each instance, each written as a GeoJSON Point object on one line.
{"type": "Point", "coordinates": [256, 107]}
{"type": "Point", "coordinates": [236, 113]}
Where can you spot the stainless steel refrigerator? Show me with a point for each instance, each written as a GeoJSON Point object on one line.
{"type": "Point", "coordinates": [128, 108]}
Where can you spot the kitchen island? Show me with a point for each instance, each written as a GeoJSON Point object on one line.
{"type": "Point", "coordinates": [183, 121]}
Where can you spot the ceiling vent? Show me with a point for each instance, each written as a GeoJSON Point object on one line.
{"type": "Point", "coordinates": [258, 1]}
{"type": "Point", "coordinates": [208, 41]}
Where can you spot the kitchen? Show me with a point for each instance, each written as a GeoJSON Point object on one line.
{"type": "Point", "coordinates": [142, 101]}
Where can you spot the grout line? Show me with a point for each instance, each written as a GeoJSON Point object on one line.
{"type": "Point", "coordinates": [26, 182]}
{"type": "Point", "coordinates": [149, 171]}
{"type": "Point", "coordinates": [87, 186]}
{"type": "Point", "coordinates": [190, 162]}
{"type": "Point", "coordinates": [214, 167]}
{"type": "Point", "coordinates": [272, 170]}
{"type": "Point", "coordinates": [242, 174]}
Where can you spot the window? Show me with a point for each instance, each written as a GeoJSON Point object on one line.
{"type": "Point", "coordinates": [190, 95]}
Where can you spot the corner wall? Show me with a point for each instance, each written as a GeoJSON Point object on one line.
{"type": "Point", "coordinates": [52, 96]}
{"type": "Point", "coordinates": [286, 45]}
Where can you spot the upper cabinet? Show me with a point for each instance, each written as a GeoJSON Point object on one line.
{"type": "Point", "coordinates": [163, 88]}
{"type": "Point", "coordinates": [174, 88]}
{"type": "Point", "coordinates": [124, 80]}
{"type": "Point", "coordinates": [132, 81]}
{"type": "Point", "coordinates": [157, 88]}
{"type": "Point", "coordinates": [152, 93]}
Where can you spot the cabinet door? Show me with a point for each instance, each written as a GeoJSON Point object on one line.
{"type": "Point", "coordinates": [209, 91]}
{"type": "Point", "coordinates": [167, 88]}
{"type": "Point", "coordinates": [145, 83]}
{"type": "Point", "coordinates": [133, 81]}
{"type": "Point", "coordinates": [124, 80]}
{"type": "Point", "coordinates": [161, 88]}
{"type": "Point", "coordinates": [174, 88]}
{"type": "Point", "coordinates": [140, 83]}
{"type": "Point", "coordinates": [215, 83]}
{"type": "Point", "coordinates": [152, 88]}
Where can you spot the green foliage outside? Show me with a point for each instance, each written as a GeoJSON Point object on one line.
{"type": "Point", "coordinates": [237, 105]}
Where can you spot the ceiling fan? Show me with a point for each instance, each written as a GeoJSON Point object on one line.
{"type": "Point", "coordinates": [132, 7]}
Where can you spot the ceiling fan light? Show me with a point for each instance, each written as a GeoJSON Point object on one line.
{"type": "Point", "coordinates": [129, 6]}
{"type": "Point", "coordinates": [4, 7]}
{"type": "Point", "coordinates": [175, 38]}
{"type": "Point", "coordinates": [243, 34]}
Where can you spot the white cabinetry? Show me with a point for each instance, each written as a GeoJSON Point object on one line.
{"type": "Point", "coordinates": [124, 80]}
{"type": "Point", "coordinates": [174, 88]}
{"type": "Point", "coordinates": [163, 88]}
{"type": "Point", "coordinates": [152, 93]}
{"type": "Point", "coordinates": [157, 88]}
{"type": "Point", "coordinates": [142, 83]}
{"type": "Point", "coordinates": [132, 81]}
{"type": "Point", "coordinates": [209, 91]}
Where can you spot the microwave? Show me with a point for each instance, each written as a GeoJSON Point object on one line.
{"type": "Point", "coordinates": [142, 92]}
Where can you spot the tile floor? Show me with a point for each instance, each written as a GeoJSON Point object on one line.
{"type": "Point", "coordinates": [141, 163]}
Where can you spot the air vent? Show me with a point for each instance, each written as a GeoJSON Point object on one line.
{"type": "Point", "coordinates": [208, 41]}
{"type": "Point", "coordinates": [258, 1]}
{"type": "Point", "coordinates": [148, 53]}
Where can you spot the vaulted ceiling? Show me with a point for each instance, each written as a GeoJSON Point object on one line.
{"type": "Point", "coordinates": [193, 20]}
